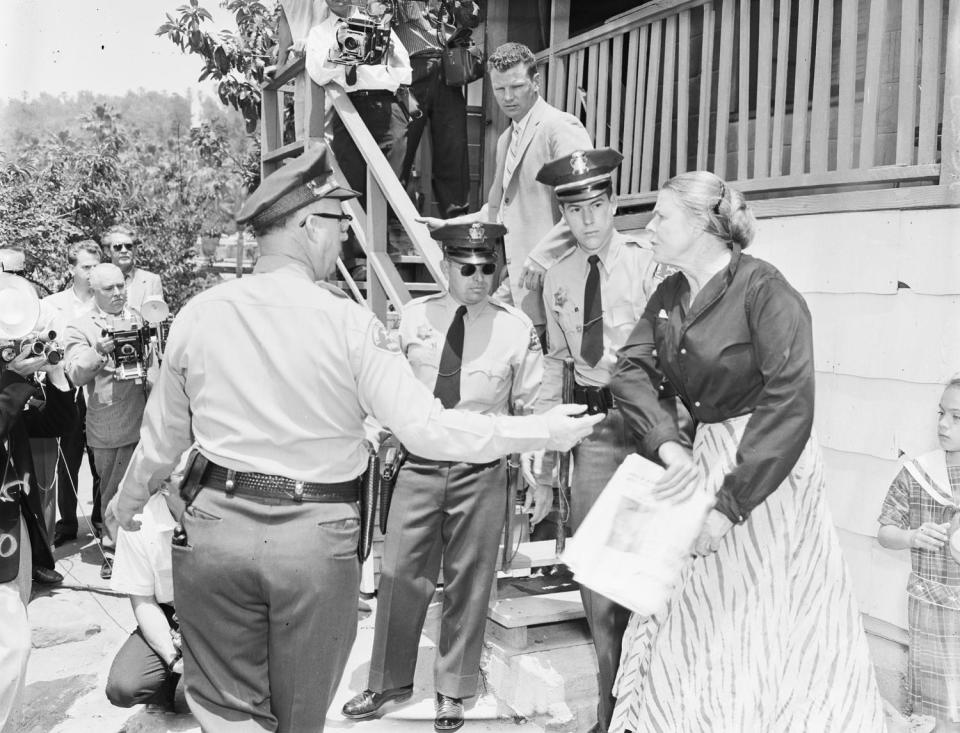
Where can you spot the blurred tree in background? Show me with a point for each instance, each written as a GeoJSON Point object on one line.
{"type": "Point", "coordinates": [236, 60]}
{"type": "Point", "coordinates": [59, 188]}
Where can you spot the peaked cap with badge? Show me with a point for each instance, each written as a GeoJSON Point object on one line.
{"type": "Point", "coordinates": [582, 175]}
{"type": "Point", "coordinates": [299, 183]}
{"type": "Point", "coordinates": [473, 243]}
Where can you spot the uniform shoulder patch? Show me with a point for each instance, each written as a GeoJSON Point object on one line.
{"type": "Point", "coordinates": [534, 344]}
{"type": "Point", "coordinates": [385, 340]}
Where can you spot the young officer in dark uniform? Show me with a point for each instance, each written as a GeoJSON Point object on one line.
{"type": "Point", "coordinates": [479, 355]}
{"type": "Point", "coordinates": [593, 296]}
{"type": "Point", "coordinates": [272, 376]}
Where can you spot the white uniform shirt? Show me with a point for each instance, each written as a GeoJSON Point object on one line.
{"type": "Point", "coordinates": [502, 367]}
{"type": "Point", "coordinates": [274, 373]}
{"type": "Point", "coordinates": [143, 562]}
{"type": "Point", "coordinates": [627, 281]}
{"type": "Point", "coordinates": [388, 76]}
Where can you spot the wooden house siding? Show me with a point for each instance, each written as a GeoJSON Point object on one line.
{"type": "Point", "coordinates": [884, 293]}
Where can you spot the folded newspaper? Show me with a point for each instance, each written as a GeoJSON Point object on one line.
{"type": "Point", "coordinates": [632, 547]}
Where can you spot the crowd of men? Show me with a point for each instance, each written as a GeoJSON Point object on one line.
{"type": "Point", "coordinates": [272, 455]}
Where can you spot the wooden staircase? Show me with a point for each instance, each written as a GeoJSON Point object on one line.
{"type": "Point", "coordinates": [391, 280]}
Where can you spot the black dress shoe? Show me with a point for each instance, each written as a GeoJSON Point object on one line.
{"type": "Point", "coordinates": [62, 537]}
{"type": "Point", "coordinates": [368, 703]}
{"type": "Point", "coordinates": [46, 576]}
{"type": "Point", "coordinates": [449, 714]}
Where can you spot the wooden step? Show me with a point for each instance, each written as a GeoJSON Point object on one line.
{"type": "Point", "coordinates": [412, 287]}
{"type": "Point", "coordinates": [514, 620]}
{"type": "Point", "coordinates": [290, 150]}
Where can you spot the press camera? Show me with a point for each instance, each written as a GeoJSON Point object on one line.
{"type": "Point", "coordinates": [138, 345]}
{"type": "Point", "coordinates": [364, 36]}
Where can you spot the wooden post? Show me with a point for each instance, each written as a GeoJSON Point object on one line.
{"type": "Point", "coordinates": [376, 229]}
{"type": "Point", "coordinates": [559, 32]}
{"type": "Point", "coordinates": [950, 137]}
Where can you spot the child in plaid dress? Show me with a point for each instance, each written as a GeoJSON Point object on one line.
{"type": "Point", "coordinates": [919, 514]}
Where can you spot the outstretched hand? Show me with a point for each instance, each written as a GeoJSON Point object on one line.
{"type": "Point", "coordinates": [566, 429]}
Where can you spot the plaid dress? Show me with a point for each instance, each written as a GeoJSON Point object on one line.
{"type": "Point", "coordinates": [933, 600]}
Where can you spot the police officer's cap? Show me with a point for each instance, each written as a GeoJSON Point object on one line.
{"type": "Point", "coordinates": [470, 243]}
{"type": "Point", "coordinates": [305, 180]}
{"type": "Point", "coordinates": [582, 175]}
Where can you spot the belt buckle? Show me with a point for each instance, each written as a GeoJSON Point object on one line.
{"type": "Point", "coordinates": [298, 491]}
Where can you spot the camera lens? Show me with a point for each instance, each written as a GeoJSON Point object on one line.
{"type": "Point", "coordinates": [350, 43]}
{"type": "Point", "coordinates": [127, 350]}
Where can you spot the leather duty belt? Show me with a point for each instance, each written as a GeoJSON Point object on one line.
{"type": "Point", "coordinates": [269, 486]}
{"type": "Point", "coordinates": [597, 399]}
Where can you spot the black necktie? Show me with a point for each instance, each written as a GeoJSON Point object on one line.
{"type": "Point", "coordinates": [591, 345]}
{"type": "Point", "coordinates": [448, 375]}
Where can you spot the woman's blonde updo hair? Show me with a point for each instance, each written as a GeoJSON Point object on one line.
{"type": "Point", "coordinates": [721, 210]}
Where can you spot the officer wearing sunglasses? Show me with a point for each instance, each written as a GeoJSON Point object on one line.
{"type": "Point", "coordinates": [120, 243]}
{"type": "Point", "coordinates": [478, 355]}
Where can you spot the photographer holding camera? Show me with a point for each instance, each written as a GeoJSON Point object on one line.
{"type": "Point", "coordinates": [24, 543]}
{"type": "Point", "coordinates": [355, 49]}
{"type": "Point", "coordinates": [425, 34]}
{"type": "Point", "coordinates": [114, 405]}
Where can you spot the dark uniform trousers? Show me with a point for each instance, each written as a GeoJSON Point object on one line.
{"type": "Point", "coordinates": [266, 596]}
{"type": "Point", "coordinates": [441, 512]}
{"type": "Point", "coordinates": [594, 461]}
{"type": "Point", "coordinates": [445, 107]}
{"type": "Point", "coordinates": [138, 674]}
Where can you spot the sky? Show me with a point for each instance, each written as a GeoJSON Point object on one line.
{"type": "Point", "coordinates": [105, 46]}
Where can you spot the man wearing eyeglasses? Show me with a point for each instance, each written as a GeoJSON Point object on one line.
{"type": "Point", "coordinates": [119, 246]}
{"type": "Point", "coordinates": [273, 376]}
{"type": "Point", "coordinates": [479, 355]}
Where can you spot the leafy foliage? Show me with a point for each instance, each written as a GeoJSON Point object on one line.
{"type": "Point", "coordinates": [237, 60]}
{"type": "Point", "coordinates": [76, 184]}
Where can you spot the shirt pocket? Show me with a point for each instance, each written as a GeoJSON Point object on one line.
{"type": "Point", "coordinates": [424, 360]}
{"type": "Point", "coordinates": [623, 314]}
{"type": "Point", "coordinates": [485, 381]}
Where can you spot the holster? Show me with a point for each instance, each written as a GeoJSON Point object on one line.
{"type": "Point", "coordinates": [192, 474]}
{"type": "Point", "coordinates": [392, 456]}
{"type": "Point", "coordinates": [369, 494]}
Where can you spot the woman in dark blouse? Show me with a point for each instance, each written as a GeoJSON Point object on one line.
{"type": "Point", "coordinates": [763, 633]}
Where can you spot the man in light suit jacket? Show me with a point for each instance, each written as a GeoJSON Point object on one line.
{"type": "Point", "coordinates": [119, 244]}
{"type": "Point", "coordinates": [538, 133]}
{"type": "Point", "coordinates": [114, 405]}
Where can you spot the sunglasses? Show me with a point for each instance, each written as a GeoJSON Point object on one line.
{"type": "Point", "coordinates": [121, 246]}
{"type": "Point", "coordinates": [487, 269]}
{"type": "Point", "coordinates": [342, 218]}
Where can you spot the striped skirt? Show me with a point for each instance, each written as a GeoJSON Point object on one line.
{"type": "Point", "coordinates": [764, 634]}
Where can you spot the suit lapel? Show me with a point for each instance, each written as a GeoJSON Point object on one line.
{"type": "Point", "coordinates": [533, 123]}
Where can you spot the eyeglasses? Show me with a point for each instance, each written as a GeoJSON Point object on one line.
{"type": "Point", "coordinates": [120, 246]}
{"type": "Point", "coordinates": [344, 219]}
{"type": "Point", "coordinates": [487, 269]}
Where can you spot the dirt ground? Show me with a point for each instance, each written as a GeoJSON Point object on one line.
{"type": "Point", "coordinates": [79, 626]}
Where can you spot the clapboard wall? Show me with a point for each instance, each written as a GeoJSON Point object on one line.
{"type": "Point", "coordinates": [883, 288]}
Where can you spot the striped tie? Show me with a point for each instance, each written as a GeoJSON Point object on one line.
{"type": "Point", "coordinates": [513, 154]}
